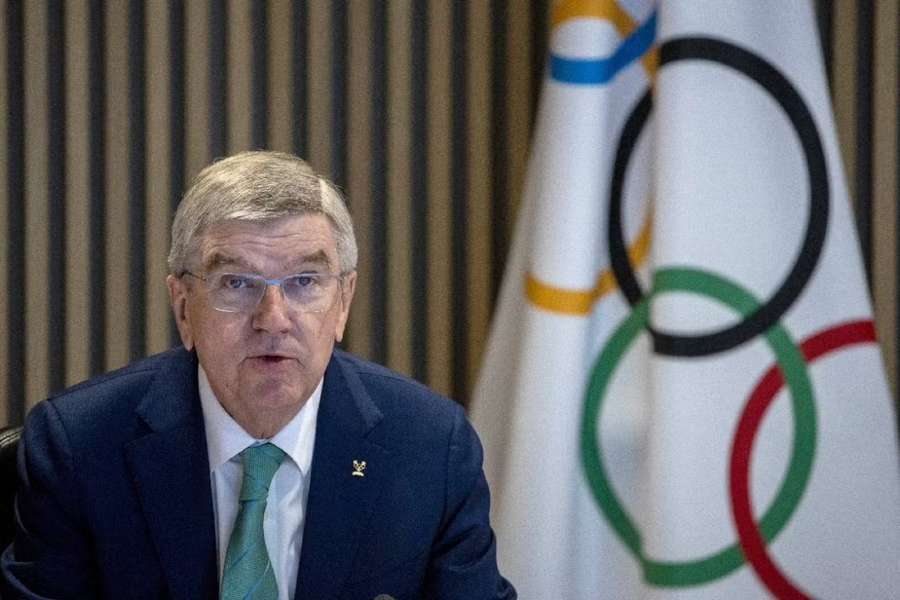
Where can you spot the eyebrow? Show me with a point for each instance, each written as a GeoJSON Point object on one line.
{"type": "Point", "coordinates": [220, 259]}
{"type": "Point", "coordinates": [317, 258]}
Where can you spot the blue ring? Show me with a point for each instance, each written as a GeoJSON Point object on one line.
{"type": "Point", "coordinates": [597, 71]}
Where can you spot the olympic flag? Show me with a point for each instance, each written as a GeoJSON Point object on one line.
{"type": "Point", "coordinates": [682, 396]}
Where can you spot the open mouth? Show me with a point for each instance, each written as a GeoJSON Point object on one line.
{"type": "Point", "coordinates": [271, 359]}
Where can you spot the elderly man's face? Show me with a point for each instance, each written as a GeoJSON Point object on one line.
{"type": "Point", "coordinates": [264, 363]}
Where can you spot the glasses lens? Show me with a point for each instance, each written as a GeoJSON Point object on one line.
{"type": "Point", "coordinates": [310, 292]}
{"type": "Point", "coordinates": [236, 293]}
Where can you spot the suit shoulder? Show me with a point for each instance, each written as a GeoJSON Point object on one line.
{"type": "Point", "coordinates": [110, 398]}
{"type": "Point", "coordinates": [393, 392]}
{"type": "Point", "coordinates": [116, 381]}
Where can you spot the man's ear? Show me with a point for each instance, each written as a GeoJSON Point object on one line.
{"type": "Point", "coordinates": [178, 297]}
{"type": "Point", "coordinates": [348, 287]}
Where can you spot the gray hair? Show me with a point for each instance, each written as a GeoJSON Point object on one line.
{"type": "Point", "coordinates": [258, 187]}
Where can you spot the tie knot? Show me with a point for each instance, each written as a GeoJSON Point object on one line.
{"type": "Point", "coordinates": [260, 463]}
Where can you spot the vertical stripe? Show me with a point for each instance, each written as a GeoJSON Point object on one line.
{"type": "Point", "coordinates": [519, 107]}
{"type": "Point", "coordinates": [37, 143]}
{"type": "Point", "coordinates": [158, 175]}
{"type": "Point", "coordinates": [441, 327]}
{"type": "Point", "coordinates": [239, 67]}
{"type": "Point", "coordinates": [177, 60]}
{"type": "Point", "coordinates": [896, 89]}
{"type": "Point", "coordinates": [77, 258]}
{"type": "Point", "coordinates": [97, 158]}
{"type": "Point", "coordinates": [15, 231]}
{"type": "Point", "coordinates": [260, 86]}
{"type": "Point", "coordinates": [218, 78]}
{"type": "Point", "coordinates": [197, 89]}
{"type": "Point", "coordinates": [359, 182]}
{"type": "Point", "coordinates": [392, 229]}
{"type": "Point", "coordinates": [825, 17]}
{"type": "Point", "coordinates": [884, 180]}
{"type": "Point", "coordinates": [844, 86]}
{"type": "Point", "coordinates": [319, 88]}
{"type": "Point", "coordinates": [339, 91]}
{"type": "Point", "coordinates": [865, 54]}
{"type": "Point", "coordinates": [460, 191]}
{"type": "Point", "coordinates": [5, 341]}
{"type": "Point", "coordinates": [137, 147]}
{"type": "Point", "coordinates": [421, 333]}
{"type": "Point", "coordinates": [177, 138]}
{"type": "Point", "coordinates": [477, 242]}
{"type": "Point", "coordinates": [56, 194]}
{"type": "Point", "coordinates": [339, 25]}
{"type": "Point", "coordinates": [378, 151]}
{"type": "Point", "coordinates": [887, 169]}
{"type": "Point", "coordinates": [280, 96]}
{"type": "Point", "coordinates": [118, 187]}
{"type": "Point", "coordinates": [499, 143]}
{"type": "Point", "coordinates": [301, 93]}
{"type": "Point", "coordinates": [539, 33]}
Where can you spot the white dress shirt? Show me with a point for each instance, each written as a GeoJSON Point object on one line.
{"type": "Point", "coordinates": [286, 509]}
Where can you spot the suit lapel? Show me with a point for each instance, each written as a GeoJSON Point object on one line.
{"type": "Point", "coordinates": [340, 503]}
{"type": "Point", "coordinates": [170, 467]}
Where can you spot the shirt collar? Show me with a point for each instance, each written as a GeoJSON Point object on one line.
{"type": "Point", "coordinates": [225, 438]}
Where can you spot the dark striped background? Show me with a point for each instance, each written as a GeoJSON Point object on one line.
{"type": "Point", "coordinates": [419, 109]}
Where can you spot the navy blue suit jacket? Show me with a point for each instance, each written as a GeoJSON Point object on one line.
{"type": "Point", "coordinates": [116, 503]}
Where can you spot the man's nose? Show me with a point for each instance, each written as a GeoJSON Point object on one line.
{"type": "Point", "coordinates": [272, 314]}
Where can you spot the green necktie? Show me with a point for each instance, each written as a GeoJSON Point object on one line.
{"type": "Point", "coordinates": [248, 571]}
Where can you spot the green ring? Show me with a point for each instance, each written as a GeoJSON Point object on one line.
{"type": "Point", "coordinates": [793, 366]}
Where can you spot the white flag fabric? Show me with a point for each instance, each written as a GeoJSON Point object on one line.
{"type": "Point", "coordinates": [683, 396]}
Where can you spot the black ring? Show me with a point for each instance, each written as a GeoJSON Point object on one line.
{"type": "Point", "coordinates": [777, 85]}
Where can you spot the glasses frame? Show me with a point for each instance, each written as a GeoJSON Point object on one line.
{"type": "Point", "coordinates": [276, 282]}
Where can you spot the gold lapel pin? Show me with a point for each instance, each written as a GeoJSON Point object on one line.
{"type": "Point", "coordinates": [358, 467]}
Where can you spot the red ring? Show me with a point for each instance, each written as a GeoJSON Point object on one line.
{"type": "Point", "coordinates": [751, 540]}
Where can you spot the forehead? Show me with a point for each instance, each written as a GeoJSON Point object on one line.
{"type": "Point", "coordinates": [282, 244]}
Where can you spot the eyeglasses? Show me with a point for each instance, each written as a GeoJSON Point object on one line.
{"type": "Point", "coordinates": [241, 292]}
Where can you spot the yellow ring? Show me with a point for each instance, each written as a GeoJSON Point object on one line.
{"type": "Point", "coordinates": [580, 302]}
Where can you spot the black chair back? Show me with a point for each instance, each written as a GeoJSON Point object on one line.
{"type": "Point", "coordinates": [9, 483]}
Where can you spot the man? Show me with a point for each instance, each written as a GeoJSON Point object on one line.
{"type": "Point", "coordinates": [257, 461]}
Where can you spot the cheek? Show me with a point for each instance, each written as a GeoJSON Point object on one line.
{"type": "Point", "coordinates": [218, 342]}
{"type": "Point", "coordinates": [323, 332]}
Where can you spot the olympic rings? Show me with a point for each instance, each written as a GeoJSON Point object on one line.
{"type": "Point", "coordinates": [759, 402]}
{"type": "Point", "coordinates": [787, 97]}
{"type": "Point", "coordinates": [721, 563]}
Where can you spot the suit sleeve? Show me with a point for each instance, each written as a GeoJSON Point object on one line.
{"type": "Point", "coordinates": [464, 557]}
{"type": "Point", "coordinates": [50, 555]}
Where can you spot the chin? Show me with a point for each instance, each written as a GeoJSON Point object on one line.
{"type": "Point", "coordinates": [274, 393]}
